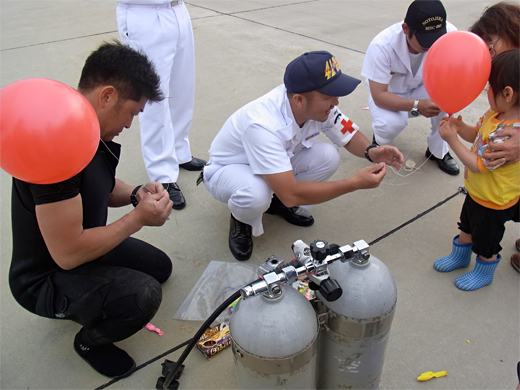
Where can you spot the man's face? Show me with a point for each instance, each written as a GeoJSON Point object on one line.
{"type": "Point", "coordinates": [317, 106]}
{"type": "Point", "coordinates": [413, 44]}
{"type": "Point", "coordinates": [119, 117]}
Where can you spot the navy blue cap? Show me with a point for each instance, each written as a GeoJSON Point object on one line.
{"type": "Point", "coordinates": [427, 20]}
{"type": "Point", "coordinates": [318, 71]}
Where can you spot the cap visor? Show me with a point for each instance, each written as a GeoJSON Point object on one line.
{"type": "Point", "coordinates": [341, 86]}
{"type": "Point", "coordinates": [426, 40]}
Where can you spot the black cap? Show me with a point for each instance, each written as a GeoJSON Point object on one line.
{"type": "Point", "coordinates": [427, 20]}
{"type": "Point", "coordinates": [318, 71]}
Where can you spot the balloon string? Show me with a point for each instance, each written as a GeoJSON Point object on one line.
{"type": "Point", "coordinates": [413, 170]}
{"type": "Point", "coordinates": [392, 181]}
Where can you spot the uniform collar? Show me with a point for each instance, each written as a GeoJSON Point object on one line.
{"type": "Point", "coordinates": [400, 46]}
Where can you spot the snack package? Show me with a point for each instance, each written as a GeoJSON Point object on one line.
{"type": "Point", "coordinates": [214, 340]}
{"type": "Point", "coordinates": [303, 287]}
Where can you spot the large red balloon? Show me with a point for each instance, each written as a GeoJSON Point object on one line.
{"type": "Point", "coordinates": [456, 70]}
{"type": "Point", "coordinates": [49, 132]}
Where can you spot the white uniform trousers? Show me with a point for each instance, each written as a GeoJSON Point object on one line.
{"type": "Point", "coordinates": [248, 196]}
{"type": "Point", "coordinates": [389, 124]}
{"type": "Point", "coordinates": [164, 33]}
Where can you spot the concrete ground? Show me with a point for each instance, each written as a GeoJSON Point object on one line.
{"type": "Point", "coordinates": [242, 48]}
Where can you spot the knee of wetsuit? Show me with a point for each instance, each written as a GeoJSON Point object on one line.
{"type": "Point", "coordinates": [163, 270]}
{"type": "Point", "coordinates": [149, 299]}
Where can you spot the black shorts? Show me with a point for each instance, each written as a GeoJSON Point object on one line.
{"type": "Point", "coordinates": [486, 226]}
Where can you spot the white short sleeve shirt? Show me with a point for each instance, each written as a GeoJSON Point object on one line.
{"type": "Point", "coordinates": [387, 60]}
{"type": "Point", "coordinates": [264, 134]}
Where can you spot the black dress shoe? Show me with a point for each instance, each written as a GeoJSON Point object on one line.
{"type": "Point", "coordinates": [294, 215]}
{"type": "Point", "coordinates": [195, 164]}
{"type": "Point", "coordinates": [240, 240]}
{"type": "Point", "coordinates": [446, 164]}
{"type": "Point", "coordinates": [175, 195]}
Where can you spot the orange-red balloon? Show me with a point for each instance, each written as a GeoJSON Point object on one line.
{"type": "Point", "coordinates": [49, 132]}
{"type": "Point", "coordinates": [456, 70]}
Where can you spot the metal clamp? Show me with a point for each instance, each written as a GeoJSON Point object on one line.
{"type": "Point", "coordinates": [323, 320]}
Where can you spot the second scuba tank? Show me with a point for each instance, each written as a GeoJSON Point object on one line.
{"type": "Point", "coordinates": [352, 349]}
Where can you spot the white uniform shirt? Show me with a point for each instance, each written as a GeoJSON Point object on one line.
{"type": "Point", "coordinates": [146, 2]}
{"type": "Point", "coordinates": [265, 135]}
{"type": "Point", "coordinates": [388, 61]}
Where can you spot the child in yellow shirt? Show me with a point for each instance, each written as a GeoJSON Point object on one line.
{"type": "Point", "coordinates": [493, 192]}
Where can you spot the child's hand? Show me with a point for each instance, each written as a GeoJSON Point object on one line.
{"type": "Point", "coordinates": [444, 119]}
{"type": "Point", "coordinates": [449, 128]}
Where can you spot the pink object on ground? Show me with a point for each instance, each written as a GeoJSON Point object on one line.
{"type": "Point", "coordinates": [152, 328]}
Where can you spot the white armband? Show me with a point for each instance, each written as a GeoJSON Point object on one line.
{"type": "Point", "coordinates": [342, 130]}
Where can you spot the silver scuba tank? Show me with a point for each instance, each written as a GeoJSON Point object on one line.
{"type": "Point", "coordinates": [274, 340]}
{"type": "Point", "coordinates": [274, 336]}
{"type": "Point", "coordinates": [352, 349]}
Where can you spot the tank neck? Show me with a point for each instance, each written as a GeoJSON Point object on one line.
{"type": "Point", "coordinates": [360, 262]}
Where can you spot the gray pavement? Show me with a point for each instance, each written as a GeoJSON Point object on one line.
{"type": "Point", "coordinates": [242, 48]}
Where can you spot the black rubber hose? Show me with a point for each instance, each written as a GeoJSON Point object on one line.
{"type": "Point", "coordinates": [197, 336]}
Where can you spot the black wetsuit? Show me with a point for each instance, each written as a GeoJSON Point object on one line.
{"type": "Point", "coordinates": [113, 296]}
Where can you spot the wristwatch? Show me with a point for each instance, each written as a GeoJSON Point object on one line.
{"type": "Point", "coordinates": [367, 149]}
{"type": "Point", "coordinates": [133, 198]}
{"type": "Point", "coordinates": [415, 111]}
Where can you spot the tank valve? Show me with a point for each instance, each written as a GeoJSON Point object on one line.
{"type": "Point", "coordinates": [330, 289]}
{"type": "Point", "coordinates": [311, 261]}
{"type": "Point", "coordinates": [320, 250]}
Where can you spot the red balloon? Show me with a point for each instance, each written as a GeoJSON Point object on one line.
{"type": "Point", "coordinates": [456, 70]}
{"type": "Point", "coordinates": [49, 132]}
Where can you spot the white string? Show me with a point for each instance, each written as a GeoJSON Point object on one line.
{"type": "Point", "coordinates": [398, 175]}
{"type": "Point", "coordinates": [112, 153]}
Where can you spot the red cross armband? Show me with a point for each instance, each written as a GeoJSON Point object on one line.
{"type": "Point", "coordinates": [342, 130]}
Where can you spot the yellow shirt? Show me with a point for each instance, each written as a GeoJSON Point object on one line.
{"type": "Point", "coordinates": [495, 188]}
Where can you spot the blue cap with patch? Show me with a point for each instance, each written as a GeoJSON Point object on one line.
{"type": "Point", "coordinates": [318, 71]}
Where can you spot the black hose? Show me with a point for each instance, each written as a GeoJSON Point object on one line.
{"type": "Point", "coordinates": [111, 382]}
{"type": "Point", "coordinates": [461, 190]}
{"type": "Point", "coordinates": [197, 336]}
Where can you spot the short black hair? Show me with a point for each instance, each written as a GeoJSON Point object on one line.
{"type": "Point", "coordinates": [504, 72]}
{"type": "Point", "coordinates": [128, 70]}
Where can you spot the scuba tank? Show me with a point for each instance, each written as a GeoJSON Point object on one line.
{"type": "Point", "coordinates": [352, 345]}
{"type": "Point", "coordinates": [274, 338]}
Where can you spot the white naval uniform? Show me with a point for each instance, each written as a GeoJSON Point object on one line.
{"type": "Point", "coordinates": [387, 61]}
{"type": "Point", "coordinates": [162, 30]}
{"type": "Point", "coordinates": [263, 138]}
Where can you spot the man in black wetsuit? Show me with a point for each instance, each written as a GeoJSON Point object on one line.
{"type": "Point", "coordinates": [67, 263]}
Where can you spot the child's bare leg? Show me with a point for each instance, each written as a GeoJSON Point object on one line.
{"type": "Point", "coordinates": [492, 258]}
{"type": "Point", "coordinates": [465, 238]}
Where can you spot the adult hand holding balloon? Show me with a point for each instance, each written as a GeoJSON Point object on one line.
{"type": "Point", "coordinates": [456, 70]}
{"type": "Point", "coordinates": [49, 132]}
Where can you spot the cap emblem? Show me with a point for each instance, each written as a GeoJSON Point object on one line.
{"type": "Point", "coordinates": [331, 68]}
